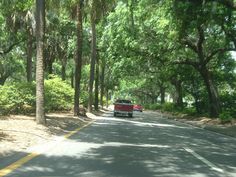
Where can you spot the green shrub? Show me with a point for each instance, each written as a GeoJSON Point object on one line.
{"type": "Point", "coordinates": [152, 106]}
{"type": "Point", "coordinates": [225, 117]}
{"type": "Point", "coordinates": [17, 98]}
{"type": "Point", "coordinates": [170, 107]}
{"type": "Point", "coordinates": [189, 110]}
{"type": "Point", "coordinates": [228, 102]}
{"type": "Point", "coordinates": [58, 95]}
{"type": "Point", "coordinates": [20, 97]}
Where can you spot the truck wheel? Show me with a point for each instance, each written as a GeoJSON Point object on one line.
{"type": "Point", "coordinates": [130, 115]}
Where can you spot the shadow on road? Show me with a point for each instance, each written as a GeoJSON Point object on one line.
{"type": "Point", "coordinates": [122, 147]}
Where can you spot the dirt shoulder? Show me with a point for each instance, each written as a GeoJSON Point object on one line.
{"type": "Point", "coordinates": [19, 132]}
{"type": "Point", "coordinates": [215, 125]}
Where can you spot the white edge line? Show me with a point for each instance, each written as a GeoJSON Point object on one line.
{"type": "Point", "coordinates": [208, 163]}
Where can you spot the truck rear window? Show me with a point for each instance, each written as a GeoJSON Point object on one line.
{"type": "Point", "coordinates": [123, 101]}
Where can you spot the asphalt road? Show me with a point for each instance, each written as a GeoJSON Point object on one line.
{"type": "Point", "coordinates": [144, 146]}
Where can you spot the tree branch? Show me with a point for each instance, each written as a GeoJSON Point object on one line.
{"type": "Point", "coordinates": [228, 3]}
{"type": "Point", "coordinates": [212, 54]}
{"type": "Point", "coordinates": [190, 44]}
{"type": "Point", "coordinates": [3, 52]}
{"type": "Point", "coordinates": [187, 62]}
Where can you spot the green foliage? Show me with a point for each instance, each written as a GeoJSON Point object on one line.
{"type": "Point", "coordinates": [225, 117]}
{"type": "Point", "coordinates": [189, 111]}
{"type": "Point", "coordinates": [58, 95]}
{"type": "Point", "coordinates": [228, 102]}
{"type": "Point", "coordinates": [19, 98]}
{"type": "Point", "coordinates": [151, 106]}
{"type": "Point", "coordinates": [170, 107]}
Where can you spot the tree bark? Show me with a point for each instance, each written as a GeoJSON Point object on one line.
{"type": "Point", "coordinates": [96, 101]}
{"type": "Point", "coordinates": [107, 98]}
{"type": "Point", "coordinates": [40, 21]}
{"type": "Point", "coordinates": [162, 92]}
{"type": "Point", "coordinates": [50, 69]}
{"type": "Point", "coordinates": [78, 60]}
{"type": "Point", "coordinates": [102, 85]}
{"type": "Point", "coordinates": [179, 92]}
{"type": "Point", "coordinates": [72, 79]}
{"type": "Point", "coordinates": [93, 59]}
{"type": "Point", "coordinates": [63, 72]}
{"type": "Point", "coordinates": [29, 55]}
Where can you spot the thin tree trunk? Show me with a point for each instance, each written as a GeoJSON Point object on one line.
{"type": "Point", "coordinates": [72, 79]}
{"type": "Point", "coordinates": [179, 92]}
{"type": "Point", "coordinates": [29, 55]}
{"type": "Point", "coordinates": [40, 19]}
{"type": "Point", "coordinates": [96, 101]}
{"type": "Point", "coordinates": [93, 59]}
{"type": "Point", "coordinates": [107, 98]}
{"type": "Point", "coordinates": [162, 91]}
{"type": "Point", "coordinates": [102, 85]}
{"type": "Point", "coordinates": [78, 60]}
{"type": "Point", "coordinates": [50, 69]}
{"type": "Point", "coordinates": [63, 72]}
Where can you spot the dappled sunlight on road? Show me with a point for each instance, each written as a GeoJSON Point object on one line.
{"type": "Point", "coordinates": [137, 123]}
{"type": "Point", "coordinates": [143, 146]}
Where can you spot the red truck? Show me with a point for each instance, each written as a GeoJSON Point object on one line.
{"type": "Point", "coordinates": [123, 107]}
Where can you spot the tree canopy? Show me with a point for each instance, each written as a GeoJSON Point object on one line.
{"type": "Point", "coordinates": [170, 54]}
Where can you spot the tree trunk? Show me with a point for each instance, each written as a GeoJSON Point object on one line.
{"type": "Point", "coordinates": [162, 91]}
{"type": "Point", "coordinates": [214, 103]}
{"type": "Point", "coordinates": [78, 60]}
{"type": "Point", "coordinates": [93, 59]}
{"type": "Point", "coordinates": [72, 79]}
{"type": "Point", "coordinates": [179, 92]}
{"type": "Point", "coordinates": [102, 85]}
{"type": "Point", "coordinates": [96, 101]}
{"type": "Point", "coordinates": [29, 55]}
{"type": "Point", "coordinates": [63, 72]}
{"type": "Point", "coordinates": [50, 63]}
{"type": "Point", "coordinates": [107, 98]}
{"type": "Point", "coordinates": [40, 21]}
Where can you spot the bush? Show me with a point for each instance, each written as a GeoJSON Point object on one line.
{"type": "Point", "coordinates": [225, 117]}
{"type": "Point", "coordinates": [170, 107]}
{"type": "Point", "coordinates": [20, 97]}
{"type": "Point", "coordinates": [152, 106]}
{"type": "Point", "coordinates": [17, 98]}
{"type": "Point", "coordinates": [228, 102]}
{"type": "Point", "coordinates": [58, 95]}
{"type": "Point", "coordinates": [189, 111]}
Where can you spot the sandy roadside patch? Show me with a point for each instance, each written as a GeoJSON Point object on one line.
{"type": "Point", "coordinates": [19, 132]}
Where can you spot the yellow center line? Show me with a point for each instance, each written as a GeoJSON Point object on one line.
{"type": "Point", "coordinates": [5, 171]}
{"type": "Point", "coordinates": [17, 164]}
{"type": "Point", "coordinates": [76, 130]}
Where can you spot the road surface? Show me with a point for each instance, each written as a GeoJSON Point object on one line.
{"type": "Point", "coordinates": [144, 146]}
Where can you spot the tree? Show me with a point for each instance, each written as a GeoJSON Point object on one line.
{"type": "Point", "coordinates": [78, 59]}
{"type": "Point", "coordinates": [93, 54]}
{"type": "Point", "coordinates": [206, 44]}
{"type": "Point", "coordinates": [40, 23]}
